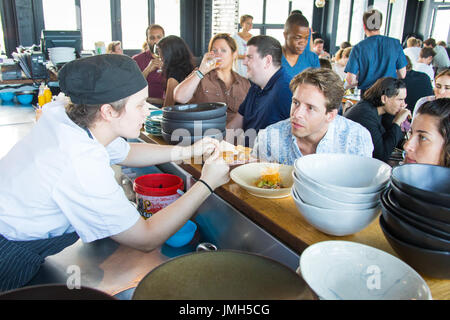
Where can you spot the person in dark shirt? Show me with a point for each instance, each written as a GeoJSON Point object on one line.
{"type": "Point", "coordinates": [385, 99]}
{"type": "Point", "coordinates": [269, 98]}
{"type": "Point", "coordinates": [418, 85]}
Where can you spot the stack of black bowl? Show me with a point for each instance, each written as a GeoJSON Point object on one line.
{"type": "Point", "coordinates": [416, 217]}
{"type": "Point", "coordinates": [185, 124]}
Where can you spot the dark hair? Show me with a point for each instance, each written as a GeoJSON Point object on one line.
{"type": "Point", "coordinates": [177, 58]}
{"type": "Point", "coordinates": [154, 26]}
{"type": "Point", "coordinates": [408, 63]}
{"type": "Point", "coordinates": [326, 80]}
{"type": "Point", "coordinates": [427, 52]}
{"type": "Point", "coordinates": [318, 40]}
{"type": "Point", "coordinates": [325, 63]}
{"type": "Point", "coordinates": [430, 42]}
{"type": "Point", "coordinates": [373, 19]}
{"type": "Point", "coordinates": [343, 53]}
{"type": "Point", "coordinates": [386, 86]}
{"type": "Point", "coordinates": [345, 44]}
{"type": "Point", "coordinates": [296, 12]}
{"type": "Point", "coordinates": [440, 108]}
{"type": "Point", "coordinates": [297, 20]}
{"type": "Point", "coordinates": [244, 18]}
{"type": "Point", "coordinates": [267, 45]}
{"type": "Point", "coordinates": [84, 115]}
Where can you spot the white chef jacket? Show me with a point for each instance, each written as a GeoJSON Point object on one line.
{"type": "Point", "coordinates": [58, 180]}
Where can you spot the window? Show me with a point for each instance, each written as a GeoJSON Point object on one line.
{"type": "Point", "coordinates": [167, 14]}
{"type": "Point", "coordinates": [134, 22]}
{"type": "Point", "coordinates": [441, 27]}
{"type": "Point", "coordinates": [357, 31]}
{"type": "Point", "coordinates": [277, 34]}
{"type": "Point", "coordinates": [59, 14]}
{"type": "Point", "coordinates": [343, 22]}
{"type": "Point", "coordinates": [397, 20]}
{"type": "Point", "coordinates": [225, 16]}
{"type": "Point", "coordinates": [382, 6]}
{"type": "Point", "coordinates": [96, 22]}
{"type": "Point", "coordinates": [253, 8]}
{"type": "Point", "coordinates": [2, 38]}
{"type": "Point", "coordinates": [306, 7]}
{"type": "Point", "coordinates": [277, 11]}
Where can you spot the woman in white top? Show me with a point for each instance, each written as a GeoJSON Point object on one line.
{"type": "Point", "coordinates": [341, 60]}
{"type": "Point", "coordinates": [57, 182]}
{"type": "Point", "coordinates": [241, 40]}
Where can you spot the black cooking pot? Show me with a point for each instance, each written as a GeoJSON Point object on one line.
{"type": "Point", "coordinates": [187, 140]}
{"type": "Point", "coordinates": [224, 274]}
{"type": "Point", "coordinates": [201, 111]}
{"type": "Point", "coordinates": [169, 125]}
{"type": "Point", "coordinates": [427, 182]}
{"type": "Point", "coordinates": [427, 262]}
{"type": "Point", "coordinates": [54, 292]}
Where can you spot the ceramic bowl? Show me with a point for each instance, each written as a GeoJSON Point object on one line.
{"type": "Point", "coordinates": [344, 172]}
{"type": "Point", "coordinates": [432, 263]}
{"type": "Point", "coordinates": [441, 229]}
{"type": "Point", "coordinates": [335, 222]}
{"type": "Point", "coordinates": [343, 270]}
{"type": "Point", "coordinates": [425, 209]}
{"type": "Point", "coordinates": [407, 232]}
{"type": "Point", "coordinates": [25, 99]}
{"type": "Point", "coordinates": [201, 111]}
{"type": "Point", "coordinates": [317, 199]}
{"type": "Point", "coordinates": [246, 176]}
{"type": "Point", "coordinates": [7, 96]}
{"type": "Point", "coordinates": [426, 182]}
{"type": "Point", "coordinates": [195, 127]}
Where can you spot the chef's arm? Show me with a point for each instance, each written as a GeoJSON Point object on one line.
{"type": "Point", "coordinates": [148, 154]}
{"type": "Point", "coordinates": [146, 235]}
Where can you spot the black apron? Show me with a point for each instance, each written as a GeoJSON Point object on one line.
{"type": "Point", "coordinates": [21, 260]}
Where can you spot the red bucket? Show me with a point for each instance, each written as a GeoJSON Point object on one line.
{"type": "Point", "coordinates": [156, 191]}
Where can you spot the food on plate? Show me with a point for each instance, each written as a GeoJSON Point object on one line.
{"type": "Point", "coordinates": [235, 154]}
{"type": "Point", "coordinates": [270, 178]}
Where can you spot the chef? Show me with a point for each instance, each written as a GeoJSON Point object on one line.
{"type": "Point", "coordinates": [57, 185]}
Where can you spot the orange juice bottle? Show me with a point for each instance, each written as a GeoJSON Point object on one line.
{"type": "Point", "coordinates": [47, 94]}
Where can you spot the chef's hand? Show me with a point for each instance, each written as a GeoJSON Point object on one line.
{"type": "Point", "coordinates": [401, 116]}
{"type": "Point", "coordinates": [204, 147]}
{"type": "Point", "coordinates": [215, 171]}
{"type": "Point", "coordinates": [208, 63]}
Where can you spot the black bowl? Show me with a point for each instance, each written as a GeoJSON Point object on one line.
{"type": "Point", "coordinates": [431, 226]}
{"type": "Point", "coordinates": [201, 111]}
{"type": "Point", "coordinates": [424, 181]}
{"type": "Point", "coordinates": [432, 263]}
{"type": "Point", "coordinates": [406, 232]}
{"type": "Point", "coordinates": [169, 125]}
{"type": "Point", "coordinates": [428, 210]}
{"type": "Point", "coordinates": [188, 140]}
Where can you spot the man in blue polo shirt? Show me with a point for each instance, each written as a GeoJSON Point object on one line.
{"type": "Point", "coordinates": [375, 57]}
{"type": "Point", "coordinates": [296, 54]}
{"type": "Point", "coordinates": [269, 98]}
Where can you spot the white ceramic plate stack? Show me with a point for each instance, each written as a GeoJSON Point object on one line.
{"type": "Point", "coordinates": [61, 54]}
{"type": "Point", "coordinates": [339, 194]}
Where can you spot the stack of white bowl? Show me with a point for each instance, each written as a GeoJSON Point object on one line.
{"type": "Point", "coordinates": [61, 54]}
{"type": "Point", "coordinates": [339, 194]}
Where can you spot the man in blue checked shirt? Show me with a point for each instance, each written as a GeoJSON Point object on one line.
{"type": "Point", "coordinates": [314, 125]}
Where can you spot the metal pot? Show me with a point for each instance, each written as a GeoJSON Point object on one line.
{"type": "Point", "coordinates": [201, 111]}
{"type": "Point", "coordinates": [55, 292]}
{"type": "Point", "coordinates": [223, 274]}
{"type": "Point", "coordinates": [169, 126]}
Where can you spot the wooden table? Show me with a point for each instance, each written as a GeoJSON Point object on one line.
{"type": "Point", "coordinates": [281, 218]}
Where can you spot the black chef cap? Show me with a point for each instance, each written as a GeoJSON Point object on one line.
{"type": "Point", "coordinates": [101, 79]}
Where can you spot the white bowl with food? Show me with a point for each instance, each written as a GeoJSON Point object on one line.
{"type": "Point", "coordinates": [343, 270]}
{"type": "Point", "coordinates": [344, 172]}
{"type": "Point", "coordinates": [262, 179]}
{"type": "Point", "coordinates": [335, 222]}
{"type": "Point", "coordinates": [314, 197]}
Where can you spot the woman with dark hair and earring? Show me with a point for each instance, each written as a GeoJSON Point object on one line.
{"type": "Point", "coordinates": [178, 63]}
{"type": "Point", "coordinates": [382, 101]}
{"type": "Point", "coordinates": [429, 141]}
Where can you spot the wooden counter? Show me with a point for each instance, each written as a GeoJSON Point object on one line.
{"type": "Point", "coordinates": [281, 218]}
